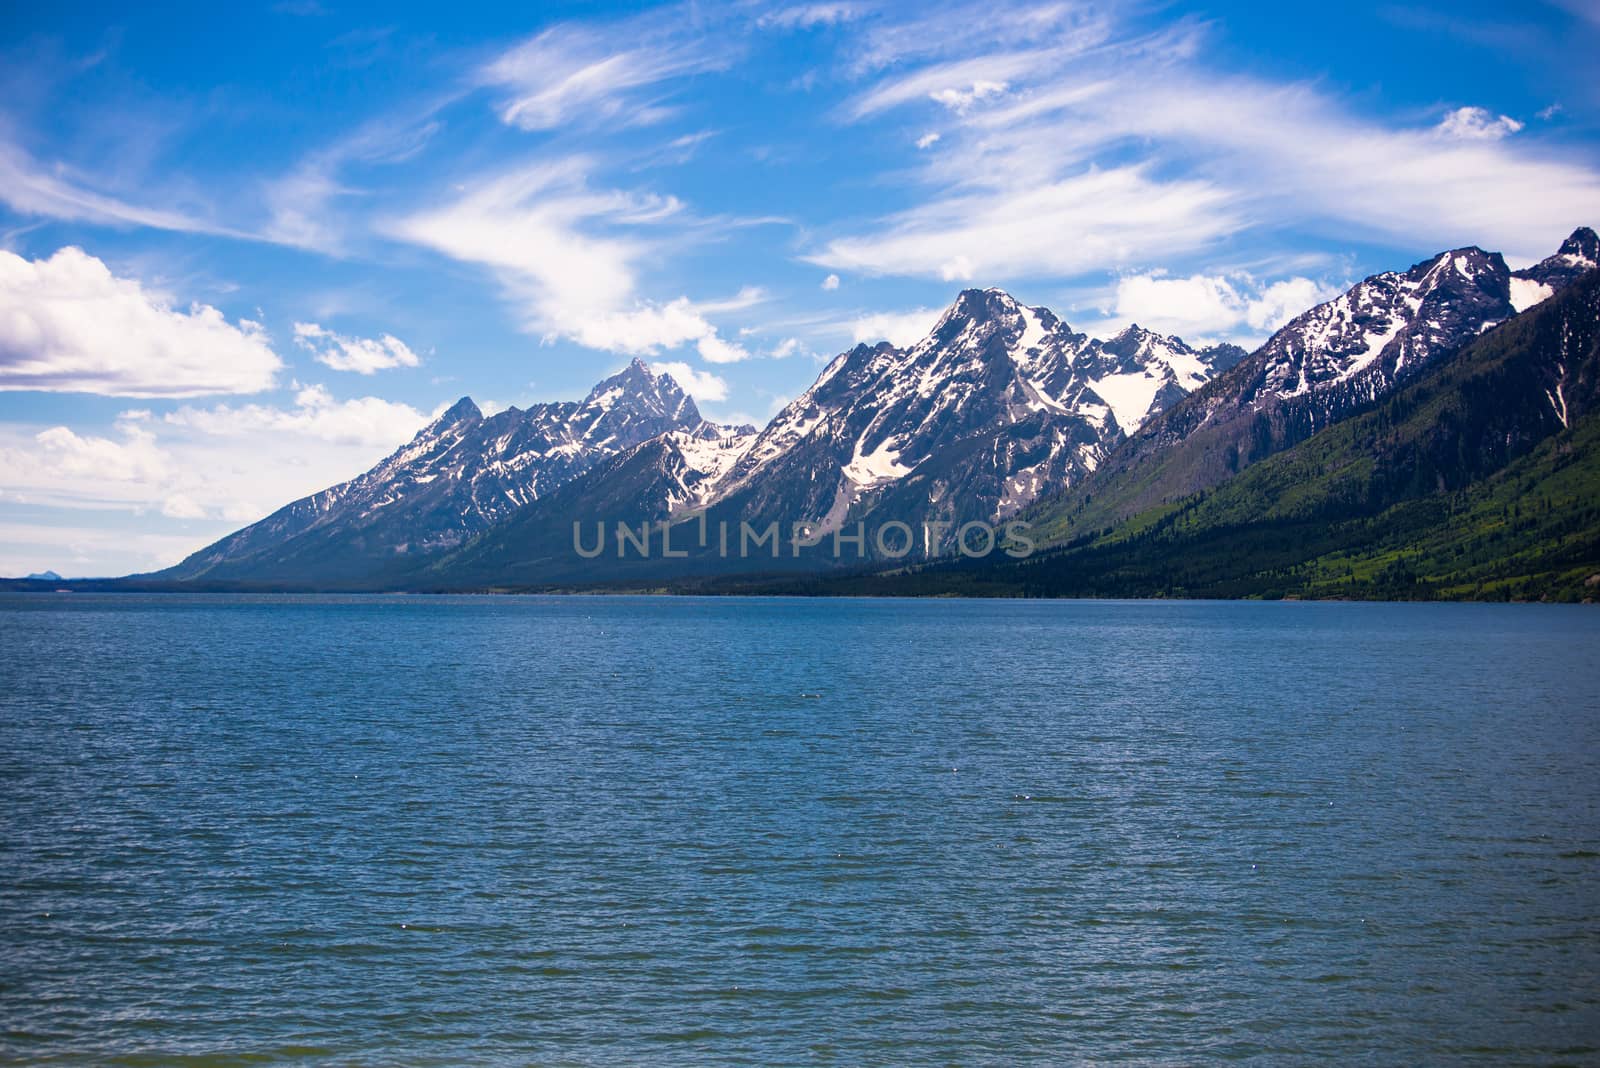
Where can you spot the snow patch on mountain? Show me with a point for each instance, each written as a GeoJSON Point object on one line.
{"type": "Point", "coordinates": [1129, 396]}
{"type": "Point", "coordinates": [1525, 293]}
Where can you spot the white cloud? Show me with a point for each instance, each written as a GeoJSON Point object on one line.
{"type": "Point", "coordinates": [57, 193]}
{"type": "Point", "coordinates": [133, 458]}
{"type": "Point", "coordinates": [1090, 221]}
{"type": "Point", "coordinates": [210, 469]}
{"type": "Point", "coordinates": [928, 140]}
{"type": "Point", "coordinates": [364, 421]}
{"type": "Point", "coordinates": [936, 31]}
{"type": "Point", "coordinates": [810, 16]}
{"type": "Point", "coordinates": [830, 283]}
{"type": "Point", "coordinates": [182, 506]}
{"type": "Point", "coordinates": [1477, 124]}
{"type": "Point", "coordinates": [575, 74]}
{"type": "Point", "coordinates": [715, 350]}
{"type": "Point", "coordinates": [67, 324]}
{"type": "Point", "coordinates": [703, 386]}
{"type": "Point", "coordinates": [955, 85]}
{"type": "Point", "coordinates": [78, 550]}
{"type": "Point", "coordinates": [566, 255]}
{"type": "Point", "coordinates": [786, 348]}
{"type": "Point", "coordinates": [1206, 307]}
{"type": "Point", "coordinates": [898, 328]}
{"type": "Point", "coordinates": [302, 203]}
{"type": "Point", "coordinates": [1275, 305]}
{"type": "Point", "coordinates": [960, 101]}
{"type": "Point", "coordinates": [1201, 303]}
{"type": "Point", "coordinates": [1134, 153]}
{"type": "Point", "coordinates": [363, 355]}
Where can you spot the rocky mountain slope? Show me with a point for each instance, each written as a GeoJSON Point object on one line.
{"type": "Point", "coordinates": [1001, 411]}
{"type": "Point", "coordinates": [461, 475]}
{"type": "Point", "coordinates": [1479, 478]}
{"type": "Point", "coordinates": [999, 403]}
{"type": "Point", "coordinates": [1326, 364]}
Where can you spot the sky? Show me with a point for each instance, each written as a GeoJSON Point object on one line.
{"type": "Point", "coordinates": [248, 250]}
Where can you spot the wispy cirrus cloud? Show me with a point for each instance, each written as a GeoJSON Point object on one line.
{"type": "Point", "coordinates": [1129, 151]}
{"type": "Point", "coordinates": [1085, 222]}
{"type": "Point", "coordinates": [811, 16]}
{"type": "Point", "coordinates": [567, 256]}
{"type": "Point", "coordinates": [579, 74]}
{"type": "Point", "coordinates": [305, 206]}
{"type": "Point", "coordinates": [58, 192]}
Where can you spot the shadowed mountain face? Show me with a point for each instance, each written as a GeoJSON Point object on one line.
{"type": "Point", "coordinates": [459, 476]}
{"type": "Point", "coordinates": [1326, 364]}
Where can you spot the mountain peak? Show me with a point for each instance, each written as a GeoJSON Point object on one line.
{"type": "Point", "coordinates": [1584, 244]}
{"type": "Point", "coordinates": [462, 411]}
{"type": "Point", "coordinates": [634, 380]}
{"type": "Point", "coordinates": [983, 303]}
{"type": "Point", "coordinates": [974, 308]}
{"type": "Point", "coordinates": [636, 388]}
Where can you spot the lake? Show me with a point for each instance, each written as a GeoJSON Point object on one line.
{"type": "Point", "coordinates": [441, 830]}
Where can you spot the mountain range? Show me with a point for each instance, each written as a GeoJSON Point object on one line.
{"type": "Point", "coordinates": [1001, 413]}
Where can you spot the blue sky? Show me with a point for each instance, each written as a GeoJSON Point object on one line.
{"type": "Point", "coordinates": [246, 251]}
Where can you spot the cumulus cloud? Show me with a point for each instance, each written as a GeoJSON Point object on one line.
{"type": "Point", "coordinates": [1203, 307]}
{"type": "Point", "coordinates": [898, 328]}
{"type": "Point", "coordinates": [131, 457]}
{"type": "Point", "coordinates": [364, 421]}
{"type": "Point", "coordinates": [1477, 124]}
{"type": "Point", "coordinates": [928, 140]}
{"type": "Point", "coordinates": [715, 350]}
{"type": "Point", "coordinates": [363, 355]}
{"type": "Point", "coordinates": [701, 385]}
{"type": "Point", "coordinates": [830, 283]}
{"type": "Point", "coordinates": [214, 467]}
{"type": "Point", "coordinates": [67, 324]}
{"type": "Point", "coordinates": [566, 255]}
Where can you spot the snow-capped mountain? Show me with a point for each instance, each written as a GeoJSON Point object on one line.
{"type": "Point", "coordinates": [1325, 364]}
{"type": "Point", "coordinates": [1577, 255]}
{"type": "Point", "coordinates": [460, 475]}
{"type": "Point", "coordinates": [1392, 324]}
{"type": "Point", "coordinates": [999, 403]}
{"type": "Point", "coordinates": [998, 407]}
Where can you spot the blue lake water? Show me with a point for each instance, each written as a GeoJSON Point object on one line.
{"type": "Point", "coordinates": [634, 830]}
